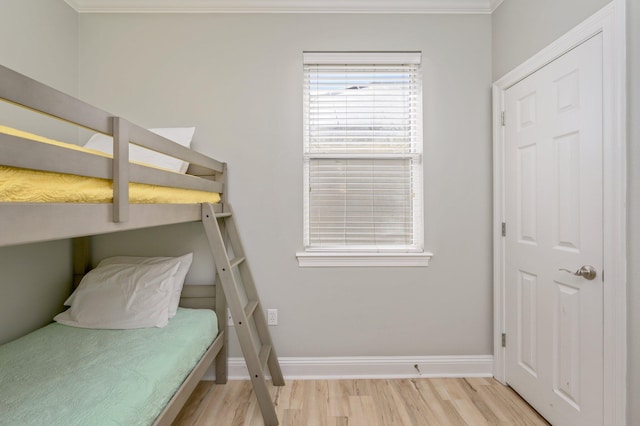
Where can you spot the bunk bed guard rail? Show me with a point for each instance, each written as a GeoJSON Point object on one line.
{"type": "Point", "coordinates": [205, 173]}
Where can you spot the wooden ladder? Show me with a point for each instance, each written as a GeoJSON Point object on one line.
{"type": "Point", "coordinates": [254, 337]}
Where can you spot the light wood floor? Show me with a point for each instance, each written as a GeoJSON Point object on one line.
{"type": "Point", "coordinates": [417, 402]}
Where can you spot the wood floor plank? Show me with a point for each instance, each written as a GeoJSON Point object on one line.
{"type": "Point", "coordinates": [338, 404]}
{"type": "Point", "coordinates": [485, 406]}
{"type": "Point", "coordinates": [517, 410]}
{"type": "Point", "coordinates": [415, 408]}
{"type": "Point", "coordinates": [401, 402]}
{"type": "Point", "coordinates": [389, 414]}
{"type": "Point", "coordinates": [192, 410]}
{"type": "Point", "coordinates": [315, 405]}
{"type": "Point", "coordinates": [429, 394]}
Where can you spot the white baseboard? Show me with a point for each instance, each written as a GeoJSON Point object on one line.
{"type": "Point", "coordinates": [331, 368]}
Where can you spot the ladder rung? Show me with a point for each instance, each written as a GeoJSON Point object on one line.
{"type": "Point", "coordinates": [222, 215]}
{"type": "Point", "coordinates": [236, 261]}
{"type": "Point", "coordinates": [250, 308]}
{"type": "Point", "coordinates": [265, 350]}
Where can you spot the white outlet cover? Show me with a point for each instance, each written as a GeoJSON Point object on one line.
{"type": "Point", "coordinates": [272, 316]}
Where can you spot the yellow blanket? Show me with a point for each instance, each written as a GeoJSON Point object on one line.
{"type": "Point", "coordinates": [33, 186]}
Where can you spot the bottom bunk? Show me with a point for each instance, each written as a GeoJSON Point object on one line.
{"type": "Point", "coordinates": [59, 375]}
{"type": "Point", "coordinates": [63, 375]}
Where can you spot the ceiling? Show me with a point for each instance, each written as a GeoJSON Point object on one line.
{"type": "Point", "coordinates": [285, 6]}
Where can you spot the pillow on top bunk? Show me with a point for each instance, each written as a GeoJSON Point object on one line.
{"type": "Point", "coordinates": [178, 278]}
{"type": "Point", "coordinates": [181, 135]}
{"type": "Point", "coordinates": [122, 296]}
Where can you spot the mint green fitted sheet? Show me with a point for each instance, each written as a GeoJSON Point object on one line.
{"type": "Point", "coordinates": [60, 375]}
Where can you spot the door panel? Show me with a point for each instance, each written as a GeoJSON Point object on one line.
{"type": "Point", "coordinates": [553, 196]}
{"type": "Point", "coordinates": [528, 322]}
{"type": "Point", "coordinates": [527, 163]}
{"type": "Point", "coordinates": [566, 191]}
{"type": "Point", "coordinates": [567, 342]}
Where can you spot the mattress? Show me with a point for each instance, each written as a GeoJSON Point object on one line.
{"type": "Point", "coordinates": [60, 375]}
{"type": "Point", "coordinates": [33, 186]}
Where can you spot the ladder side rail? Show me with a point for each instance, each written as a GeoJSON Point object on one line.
{"type": "Point", "coordinates": [259, 317]}
{"type": "Point", "coordinates": [227, 280]}
{"type": "Point", "coordinates": [249, 350]}
{"type": "Point", "coordinates": [262, 328]}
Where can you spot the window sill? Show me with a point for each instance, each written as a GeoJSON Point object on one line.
{"type": "Point", "coordinates": [349, 259]}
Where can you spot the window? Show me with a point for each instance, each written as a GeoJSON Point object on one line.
{"type": "Point", "coordinates": [363, 159]}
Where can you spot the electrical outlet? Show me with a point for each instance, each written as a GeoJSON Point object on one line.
{"type": "Point", "coordinates": [272, 316]}
{"type": "Point", "coordinates": [229, 318]}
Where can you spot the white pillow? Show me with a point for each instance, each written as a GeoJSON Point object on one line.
{"type": "Point", "coordinates": [122, 297]}
{"type": "Point", "coordinates": [178, 278]}
{"type": "Point", "coordinates": [181, 135]}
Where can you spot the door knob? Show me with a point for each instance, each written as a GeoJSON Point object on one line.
{"type": "Point", "coordinates": [587, 272]}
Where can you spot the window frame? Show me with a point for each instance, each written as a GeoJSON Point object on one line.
{"type": "Point", "coordinates": [413, 255]}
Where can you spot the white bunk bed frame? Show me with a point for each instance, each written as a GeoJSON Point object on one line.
{"type": "Point", "coordinates": [32, 222]}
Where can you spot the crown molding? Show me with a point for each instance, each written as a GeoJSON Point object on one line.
{"type": "Point", "coordinates": [286, 6]}
{"type": "Point", "coordinates": [493, 4]}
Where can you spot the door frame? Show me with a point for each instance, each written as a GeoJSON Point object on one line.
{"type": "Point", "coordinates": [610, 21]}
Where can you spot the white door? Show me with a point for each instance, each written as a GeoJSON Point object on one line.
{"type": "Point", "coordinates": [553, 207]}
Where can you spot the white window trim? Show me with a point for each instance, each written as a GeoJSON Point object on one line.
{"type": "Point", "coordinates": [355, 58]}
{"type": "Point", "coordinates": [354, 257]}
{"type": "Point", "coordinates": [319, 259]}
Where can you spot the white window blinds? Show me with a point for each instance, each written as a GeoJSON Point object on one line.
{"type": "Point", "coordinates": [362, 147]}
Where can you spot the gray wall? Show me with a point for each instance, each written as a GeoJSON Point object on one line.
{"type": "Point", "coordinates": [633, 213]}
{"type": "Point", "coordinates": [40, 39]}
{"type": "Point", "coordinates": [238, 79]}
{"type": "Point", "coordinates": [523, 27]}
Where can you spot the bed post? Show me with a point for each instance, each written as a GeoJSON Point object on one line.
{"type": "Point", "coordinates": [222, 357]}
{"type": "Point", "coordinates": [225, 185]}
{"type": "Point", "coordinates": [221, 303]}
{"type": "Point", "coordinates": [81, 258]}
{"type": "Point", "coordinates": [120, 170]}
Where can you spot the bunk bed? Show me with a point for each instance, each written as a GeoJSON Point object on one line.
{"type": "Point", "coordinates": [26, 221]}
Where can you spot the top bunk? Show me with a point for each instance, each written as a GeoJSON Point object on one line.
{"type": "Point", "coordinates": [40, 162]}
